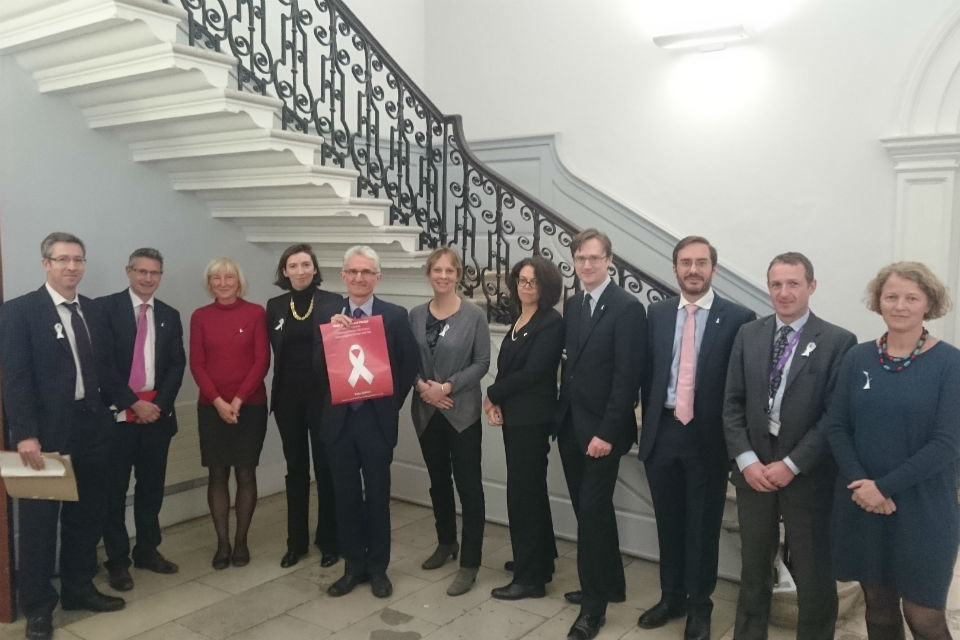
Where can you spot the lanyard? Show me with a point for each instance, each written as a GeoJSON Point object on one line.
{"type": "Point", "coordinates": [787, 353]}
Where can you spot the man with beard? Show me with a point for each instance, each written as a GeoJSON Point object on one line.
{"type": "Point", "coordinates": [681, 443]}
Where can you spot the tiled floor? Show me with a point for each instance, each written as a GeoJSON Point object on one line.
{"type": "Point", "coordinates": [263, 601]}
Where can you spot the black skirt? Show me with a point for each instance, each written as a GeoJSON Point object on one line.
{"type": "Point", "coordinates": [231, 445]}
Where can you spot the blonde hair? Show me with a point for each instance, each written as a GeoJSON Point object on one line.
{"type": "Point", "coordinates": [229, 265]}
{"type": "Point", "coordinates": [916, 272]}
{"type": "Point", "coordinates": [438, 253]}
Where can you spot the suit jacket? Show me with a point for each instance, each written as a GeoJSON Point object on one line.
{"type": "Point", "coordinates": [808, 385]}
{"type": "Point", "coordinates": [723, 322]}
{"type": "Point", "coordinates": [526, 385]}
{"type": "Point", "coordinates": [600, 380]}
{"type": "Point", "coordinates": [404, 364]}
{"type": "Point", "coordinates": [169, 357]}
{"type": "Point", "coordinates": [39, 373]}
{"type": "Point", "coordinates": [277, 309]}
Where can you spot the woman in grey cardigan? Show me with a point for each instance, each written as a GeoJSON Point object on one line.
{"type": "Point", "coordinates": [454, 344]}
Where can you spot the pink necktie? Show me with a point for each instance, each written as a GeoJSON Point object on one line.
{"type": "Point", "coordinates": [138, 368]}
{"type": "Point", "coordinates": [688, 365]}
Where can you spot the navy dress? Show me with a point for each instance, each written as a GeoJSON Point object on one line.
{"type": "Point", "coordinates": [901, 430]}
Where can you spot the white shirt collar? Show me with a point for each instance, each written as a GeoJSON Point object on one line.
{"type": "Point", "coordinates": [136, 301]}
{"type": "Point", "coordinates": [796, 324]}
{"type": "Point", "coordinates": [704, 302]}
{"type": "Point", "coordinates": [57, 298]}
{"type": "Point", "coordinates": [600, 288]}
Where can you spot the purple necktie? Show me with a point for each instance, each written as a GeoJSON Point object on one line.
{"type": "Point", "coordinates": [138, 369]}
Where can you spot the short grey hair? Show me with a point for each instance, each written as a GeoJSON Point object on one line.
{"type": "Point", "coordinates": [145, 252]}
{"type": "Point", "coordinates": [46, 247]}
{"type": "Point", "coordinates": [229, 265]}
{"type": "Point", "coordinates": [365, 251]}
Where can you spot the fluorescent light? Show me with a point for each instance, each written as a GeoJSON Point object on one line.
{"type": "Point", "coordinates": [705, 40]}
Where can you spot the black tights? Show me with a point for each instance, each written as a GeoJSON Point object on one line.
{"type": "Point", "coordinates": [218, 498]}
{"type": "Point", "coordinates": [885, 622]}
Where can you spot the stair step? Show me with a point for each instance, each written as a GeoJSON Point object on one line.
{"type": "Point", "coordinates": [361, 212]}
{"type": "Point", "coordinates": [268, 182]}
{"type": "Point", "coordinates": [230, 149]}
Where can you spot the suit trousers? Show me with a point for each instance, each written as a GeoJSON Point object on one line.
{"type": "Point", "coordinates": [447, 453]}
{"type": "Point", "coordinates": [142, 448]}
{"type": "Point", "coordinates": [591, 482]}
{"type": "Point", "coordinates": [528, 502]}
{"type": "Point", "coordinates": [298, 420]}
{"type": "Point", "coordinates": [81, 523]}
{"type": "Point", "coordinates": [808, 535]}
{"type": "Point", "coordinates": [688, 487]}
{"type": "Point", "coordinates": [360, 460]}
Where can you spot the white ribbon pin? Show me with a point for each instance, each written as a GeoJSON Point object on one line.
{"type": "Point", "coordinates": [810, 347]}
{"type": "Point", "coordinates": [866, 385]}
{"type": "Point", "coordinates": [59, 329]}
{"type": "Point", "coordinates": [443, 332]}
{"type": "Point", "coordinates": [359, 370]}
{"type": "Point", "coordinates": [279, 326]}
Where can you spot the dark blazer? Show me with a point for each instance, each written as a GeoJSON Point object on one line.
{"type": "Point", "coordinates": [277, 309]}
{"type": "Point", "coordinates": [526, 385]}
{"type": "Point", "coordinates": [170, 359]}
{"type": "Point", "coordinates": [39, 374]}
{"type": "Point", "coordinates": [808, 385]}
{"type": "Point", "coordinates": [600, 381]}
{"type": "Point", "coordinates": [723, 322]}
{"type": "Point", "coordinates": [404, 364]}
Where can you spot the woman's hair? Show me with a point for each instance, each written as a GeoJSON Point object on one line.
{"type": "Point", "coordinates": [229, 265]}
{"type": "Point", "coordinates": [438, 253]}
{"type": "Point", "coordinates": [916, 272]}
{"type": "Point", "coordinates": [283, 281]}
{"type": "Point", "coordinates": [549, 281]}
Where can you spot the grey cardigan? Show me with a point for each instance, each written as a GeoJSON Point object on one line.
{"type": "Point", "coordinates": [461, 357]}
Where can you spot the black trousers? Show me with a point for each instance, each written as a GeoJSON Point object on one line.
{"type": "Point", "coordinates": [360, 464]}
{"type": "Point", "coordinates": [298, 419]}
{"type": "Point", "coordinates": [528, 502]}
{"type": "Point", "coordinates": [591, 482]}
{"type": "Point", "coordinates": [455, 456]}
{"type": "Point", "coordinates": [81, 523]}
{"type": "Point", "coordinates": [688, 487]}
{"type": "Point", "coordinates": [143, 449]}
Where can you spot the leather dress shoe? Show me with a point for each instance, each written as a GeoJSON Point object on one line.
{"type": "Point", "coordinates": [39, 627]}
{"type": "Point", "coordinates": [346, 583]}
{"type": "Point", "coordinates": [156, 563]}
{"type": "Point", "coordinates": [660, 614]}
{"type": "Point", "coordinates": [329, 559]}
{"type": "Point", "coordinates": [586, 627]}
{"type": "Point", "coordinates": [574, 597]}
{"type": "Point", "coordinates": [91, 600]}
{"type": "Point", "coordinates": [380, 585]}
{"type": "Point", "coordinates": [290, 558]}
{"type": "Point", "coordinates": [698, 627]}
{"type": "Point", "coordinates": [120, 579]}
{"type": "Point", "coordinates": [221, 559]}
{"type": "Point", "coordinates": [240, 556]}
{"type": "Point", "coordinates": [516, 591]}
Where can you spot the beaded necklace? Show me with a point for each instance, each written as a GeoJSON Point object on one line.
{"type": "Point", "coordinates": [896, 365]}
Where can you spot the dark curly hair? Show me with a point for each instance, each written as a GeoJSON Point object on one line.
{"type": "Point", "coordinates": [549, 282]}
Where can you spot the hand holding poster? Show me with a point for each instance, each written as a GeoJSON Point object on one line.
{"type": "Point", "coordinates": [358, 364]}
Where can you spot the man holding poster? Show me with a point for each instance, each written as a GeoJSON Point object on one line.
{"type": "Point", "coordinates": [359, 433]}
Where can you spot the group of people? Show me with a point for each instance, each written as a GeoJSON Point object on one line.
{"type": "Point", "coordinates": [854, 448]}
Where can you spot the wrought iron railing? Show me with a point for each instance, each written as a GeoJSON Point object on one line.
{"type": "Point", "coordinates": [336, 80]}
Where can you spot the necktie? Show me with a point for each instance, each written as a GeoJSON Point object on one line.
{"type": "Point", "coordinates": [138, 368]}
{"type": "Point", "coordinates": [585, 316]}
{"type": "Point", "coordinates": [88, 372]}
{"type": "Point", "coordinates": [688, 367]}
{"type": "Point", "coordinates": [779, 348]}
{"type": "Point", "coordinates": [357, 313]}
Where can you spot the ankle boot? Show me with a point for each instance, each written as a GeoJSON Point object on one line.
{"type": "Point", "coordinates": [440, 555]}
{"type": "Point", "coordinates": [462, 582]}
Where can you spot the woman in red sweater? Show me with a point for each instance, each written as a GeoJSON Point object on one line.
{"type": "Point", "coordinates": [229, 357]}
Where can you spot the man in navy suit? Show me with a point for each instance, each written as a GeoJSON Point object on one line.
{"type": "Point", "coordinates": [360, 436]}
{"type": "Point", "coordinates": [57, 385]}
{"type": "Point", "coordinates": [681, 443]}
{"type": "Point", "coordinates": [140, 437]}
{"type": "Point", "coordinates": [605, 355]}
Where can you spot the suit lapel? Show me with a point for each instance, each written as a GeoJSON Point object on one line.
{"type": "Point", "coordinates": [598, 311]}
{"type": "Point", "coordinates": [715, 319]}
{"type": "Point", "coordinates": [810, 332]}
{"type": "Point", "coordinates": [523, 336]}
{"type": "Point", "coordinates": [51, 319]}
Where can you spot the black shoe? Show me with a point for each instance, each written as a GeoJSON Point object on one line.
{"type": "Point", "coordinates": [156, 563]}
{"type": "Point", "coordinates": [329, 559]}
{"type": "Point", "coordinates": [120, 579]}
{"type": "Point", "coordinates": [586, 627]}
{"type": "Point", "coordinates": [240, 556]}
{"type": "Point", "coordinates": [346, 583]}
{"type": "Point", "coordinates": [39, 627]}
{"type": "Point", "coordinates": [221, 559]}
{"type": "Point", "coordinates": [380, 585]}
{"type": "Point", "coordinates": [574, 597]}
{"type": "Point", "coordinates": [698, 627]}
{"type": "Point", "coordinates": [509, 565]}
{"type": "Point", "coordinates": [515, 591]}
{"type": "Point", "coordinates": [290, 558]}
{"type": "Point", "coordinates": [661, 613]}
{"type": "Point", "coordinates": [91, 600]}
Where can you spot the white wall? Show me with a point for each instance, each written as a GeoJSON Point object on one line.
{"type": "Point", "coordinates": [399, 26]}
{"type": "Point", "coordinates": [765, 147]}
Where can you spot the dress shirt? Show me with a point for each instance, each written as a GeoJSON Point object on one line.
{"type": "Point", "coordinates": [596, 293]}
{"type": "Point", "coordinates": [366, 307]}
{"type": "Point", "coordinates": [749, 457]}
{"type": "Point", "coordinates": [700, 318]}
{"type": "Point", "coordinates": [149, 347]}
{"type": "Point", "coordinates": [79, 393]}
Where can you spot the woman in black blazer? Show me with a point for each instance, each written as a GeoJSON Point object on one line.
{"type": "Point", "coordinates": [295, 399]}
{"type": "Point", "coordinates": [523, 402]}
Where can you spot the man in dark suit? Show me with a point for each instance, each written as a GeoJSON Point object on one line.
{"type": "Point", "coordinates": [57, 385]}
{"type": "Point", "coordinates": [605, 354]}
{"type": "Point", "coordinates": [360, 436]}
{"type": "Point", "coordinates": [782, 370]}
{"type": "Point", "coordinates": [147, 344]}
{"type": "Point", "coordinates": [681, 443]}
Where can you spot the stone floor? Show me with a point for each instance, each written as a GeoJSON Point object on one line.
{"type": "Point", "coordinates": [264, 601]}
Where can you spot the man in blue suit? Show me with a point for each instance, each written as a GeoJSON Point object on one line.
{"type": "Point", "coordinates": [147, 340]}
{"type": "Point", "coordinates": [360, 436]}
{"type": "Point", "coordinates": [681, 443]}
{"type": "Point", "coordinates": [57, 385]}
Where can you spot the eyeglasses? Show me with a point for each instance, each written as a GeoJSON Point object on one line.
{"type": "Point", "coordinates": [65, 260]}
{"type": "Point", "coordinates": [365, 273]}
{"type": "Point", "coordinates": [528, 284]}
{"type": "Point", "coordinates": [581, 260]}
{"type": "Point", "coordinates": [143, 273]}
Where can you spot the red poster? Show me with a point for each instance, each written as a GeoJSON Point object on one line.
{"type": "Point", "coordinates": [358, 364]}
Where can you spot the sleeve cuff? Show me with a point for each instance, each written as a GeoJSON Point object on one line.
{"type": "Point", "coordinates": [787, 461]}
{"type": "Point", "coordinates": [746, 459]}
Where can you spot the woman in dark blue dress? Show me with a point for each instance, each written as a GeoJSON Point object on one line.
{"type": "Point", "coordinates": [894, 428]}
